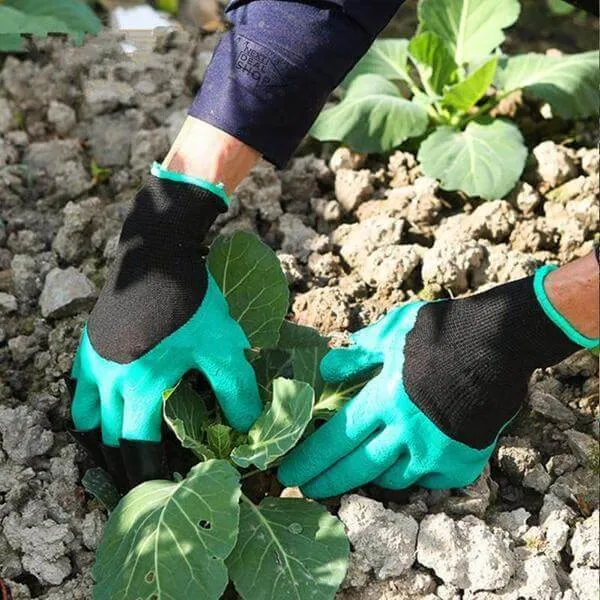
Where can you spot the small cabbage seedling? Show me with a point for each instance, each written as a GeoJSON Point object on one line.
{"type": "Point", "coordinates": [188, 538]}
{"type": "Point", "coordinates": [440, 88]}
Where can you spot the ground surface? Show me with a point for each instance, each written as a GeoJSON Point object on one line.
{"type": "Point", "coordinates": [355, 237]}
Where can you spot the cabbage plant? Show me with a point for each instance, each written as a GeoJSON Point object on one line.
{"type": "Point", "coordinates": [440, 87]}
{"type": "Point", "coordinates": [22, 19]}
{"type": "Point", "coordinates": [187, 538]}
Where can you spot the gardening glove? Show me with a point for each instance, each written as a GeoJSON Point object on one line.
{"type": "Point", "coordinates": [159, 315]}
{"type": "Point", "coordinates": [453, 375]}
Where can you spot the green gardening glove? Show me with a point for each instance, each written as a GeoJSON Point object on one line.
{"type": "Point", "coordinates": [453, 374]}
{"type": "Point", "coordinates": [159, 315]}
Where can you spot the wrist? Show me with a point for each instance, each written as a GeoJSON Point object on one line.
{"type": "Point", "coordinates": [206, 152]}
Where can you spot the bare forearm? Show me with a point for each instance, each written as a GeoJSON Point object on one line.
{"type": "Point", "coordinates": [574, 292]}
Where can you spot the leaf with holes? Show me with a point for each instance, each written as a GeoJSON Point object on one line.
{"type": "Point", "coordinates": [169, 540]}
{"type": "Point", "coordinates": [372, 117]}
{"type": "Point", "coordinates": [280, 426]}
{"type": "Point", "coordinates": [568, 83]}
{"type": "Point", "coordinates": [250, 277]}
{"type": "Point", "coordinates": [486, 159]}
{"type": "Point", "coordinates": [186, 414]}
{"type": "Point", "coordinates": [471, 29]}
{"type": "Point", "coordinates": [288, 548]}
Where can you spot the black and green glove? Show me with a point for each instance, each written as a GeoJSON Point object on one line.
{"type": "Point", "coordinates": [159, 315]}
{"type": "Point", "coordinates": [453, 375]}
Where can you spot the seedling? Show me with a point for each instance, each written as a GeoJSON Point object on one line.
{"type": "Point", "coordinates": [440, 87]}
{"type": "Point", "coordinates": [188, 538]}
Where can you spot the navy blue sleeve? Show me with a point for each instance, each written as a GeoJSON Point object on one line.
{"type": "Point", "coordinates": [273, 70]}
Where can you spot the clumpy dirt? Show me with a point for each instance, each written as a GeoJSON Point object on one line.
{"type": "Point", "coordinates": [355, 236]}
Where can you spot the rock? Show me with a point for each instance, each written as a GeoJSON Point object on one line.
{"type": "Point", "coordinates": [500, 264]}
{"type": "Point", "coordinates": [62, 117]}
{"type": "Point", "coordinates": [556, 533]}
{"type": "Point", "coordinates": [44, 547]}
{"type": "Point", "coordinates": [290, 268]}
{"type": "Point", "coordinates": [148, 146]}
{"type": "Point", "coordinates": [473, 499]}
{"type": "Point", "coordinates": [73, 241]}
{"type": "Point", "coordinates": [549, 406]}
{"type": "Point", "coordinates": [424, 209]}
{"type": "Point", "coordinates": [8, 303]}
{"type": "Point", "coordinates": [554, 164]}
{"type": "Point", "coordinates": [554, 509]}
{"type": "Point", "coordinates": [328, 210]}
{"type": "Point", "coordinates": [493, 220]}
{"type": "Point", "coordinates": [412, 585]}
{"type": "Point", "coordinates": [7, 119]}
{"type": "Point", "coordinates": [25, 241]}
{"type": "Point", "coordinates": [515, 457]}
{"type": "Point", "coordinates": [585, 542]}
{"type": "Point", "coordinates": [514, 521]}
{"type": "Point", "coordinates": [22, 348]}
{"type": "Point", "coordinates": [66, 292]}
{"type": "Point", "coordinates": [260, 192]}
{"type": "Point", "coordinates": [297, 237]}
{"type": "Point", "coordinates": [580, 485]}
{"type": "Point", "coordinates": [581, 364]}
{"type": "Point", "coordinates": [538, 579]}
{"type": "Point", "coordinates": [396, 205]}
{"type": "Point", "coordinates": [300, 183]}
{"type": "Point", "coordinates": [526, 198]}
{"type": "Point", "coordinates": [533, 235]}
{"type": "Point", "coordinates": [352, 188]}
{"type": "Point", "coordinates": [92, 529]}
{"type": "Point", "coordinates": [25, 433]}
{"type": "Point", "coordinates": [104, 96]}
{"type": "Point", "coordinates": [400, 168]}
{"type": "Point", "coordinates": [326, 309]}
{"type": "Point", "coordinates": [110, 137]}
{"type": "Point", "coordinates": [345, 158]}
{"type": "Point", "coordinates": [390, 265]}
{"type": "Point", "coordinates": [590, 161]}
{"type": "Point", "coordinates": [585, 583]}
{"type": "Point", "coordinates": [325, 266]}
{"type": "Point", "coordinates": [450, 264]}
{"type": "Point", "coordinates": [583, 446]}
{"type": "Point", "coordinates": [383, 540]}
{"type": "Point", "coordinates": [465, 553]}
{"type": "Point", "coordinates": [561, 464]}
{"type": "Point", "coordinates": [537, 478]}
{"type": "Point", "coordinates": [57, 167]}
{"type": "Point", "coordinates": [360, 240]}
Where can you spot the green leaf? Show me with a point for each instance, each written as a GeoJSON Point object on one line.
{"type": "Point", "coordinates": [568, 83]}
{"type": "Point", "coordinates": [307, 348]}
{"type": "Point", "coordinates": [372, 117]}
{"type": "Point", "coordinates": [560, 7]}
{"type": "Point", "coordinates": [288, 548]}
{"type": "Point", "coordinates": [186, 414]}
{"type": "Point", "coordinates": [387, 58]}
{"type": "Point", "coordinates": [11, 42]}
{"type": "Point", "coordinates": [250, 277]}
{"type": "Point", "coordinates": [472, 29]}
{"type": "Point", "coordinates": [280, 427]}
{"type": "Point", "coordinates": [467, 92]}
{"type": "Point", "coordinates": [433, 60]}
{"type": "Point", "coordinates": [270, 364]}
{"type": "Point", "coordinates": [59, 16]}
{"type": "Point", "coordinates": [168, 6]}
{"type": "Point", "coordinates": [98, 483]}
{"type": "Point", "coordinates": [220, 439]}
{"type": "Point", "coordinates": [169, 540]}
{"type": "Point", "coordinates": [484, 160]}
